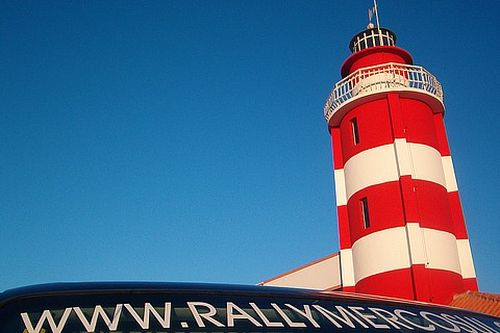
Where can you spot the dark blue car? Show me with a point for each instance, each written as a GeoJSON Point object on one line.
{"type": "Point", "coordinates": [169, 308]}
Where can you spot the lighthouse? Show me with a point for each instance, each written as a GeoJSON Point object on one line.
{"type": "Point", "coordinates": [401, 227]}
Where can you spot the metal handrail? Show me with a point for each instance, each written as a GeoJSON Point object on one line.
{"type": "Point", "coordinates": [379, 78]}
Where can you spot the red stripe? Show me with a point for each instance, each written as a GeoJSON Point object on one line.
{"type": "Point", "coordinates": [396, 283]}
{"type": "Point", "coordinates": [433, 206]}
{"type": "Point", "coordinates": [384, 206]}
{"type": "Point", "coordinates": [440, 285]}
{"type": "Point", "coordinates": [374, 127]}
{"type": "Point", "coordinates": [444, 284]}
{"type": "Point", "coordinates": [419, 123]}
{"type": "Point", "coordinates": [338, 161]}
{"type": "Point", "coordinates": [409, 199]}
{"type": "Point", "coordinates": [421, 280]}
{"type": "Point", "coordinates": [408, 118]}
{"type": "Point", "coordinates": [436, 285]}
{"type": "Point", "coordinates": [343, 222]}
{"type": "Point", "coordinates": [470, 284]}
{"type": "Point", "coordinates": [396, 115]}
{"type": "Point", "coordinates": [457, 216]}
{"type": "Point", "coordinates": [444, 147]}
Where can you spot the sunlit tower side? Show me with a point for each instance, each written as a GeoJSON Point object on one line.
{"type": "Point", "coordinates": [401, 227]}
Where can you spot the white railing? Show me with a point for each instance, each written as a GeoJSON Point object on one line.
{"type": "Point", "coordinates": [379, 78]}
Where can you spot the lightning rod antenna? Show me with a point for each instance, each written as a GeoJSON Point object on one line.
{"type": "Point", "coordinates": [375, 8]}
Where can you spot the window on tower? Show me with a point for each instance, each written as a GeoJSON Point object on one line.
{"type": "Point", "coordinates": [355, 131]}
{"type": "Point", "coordinates": [365, 215]}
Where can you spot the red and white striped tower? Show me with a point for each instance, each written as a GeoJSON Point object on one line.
{"type": "Point", "coordinates": [401, 226]}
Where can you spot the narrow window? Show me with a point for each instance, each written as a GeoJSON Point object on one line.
{"type": "Point", "coordinates": [355, 132]}
{"type": "Point", "coordinates": [364, 212]}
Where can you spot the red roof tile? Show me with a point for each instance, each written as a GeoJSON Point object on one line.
{"type": "Point", "coordinates": [477, 301]}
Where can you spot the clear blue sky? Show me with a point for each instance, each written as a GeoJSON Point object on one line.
{"type": "Point", "coordinates": [185, 141]}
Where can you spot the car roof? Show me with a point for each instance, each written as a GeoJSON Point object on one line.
{"type": "Point", "coordinates": [72, 288]}
{"type": "Point", "coordinates": [67, 288]}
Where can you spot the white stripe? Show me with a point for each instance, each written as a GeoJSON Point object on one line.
{"type": "Point", "coordinates": [427, 164]}
{"type": "Point", "coordinates": [379, 252]}
{"type": "Point", "coordinates": [388, 162]}
{"type": "Point", "coordinates": [449, 174]}
{"type": "Point", "coordinates": [393, 249]}
{"type": "Point", "coordinates": [347, 268]}
{"type": "Point", "coordinates": [465, 257]}
{"type": "Point", "coordinates": [417, 243]}
{"type": "Point", "coordinates": [340, 187]}
{"type": "Point", "coordinates": [370, 167]}
{"type": "Point", "coordinates": [403, 157]}
{"type": "Point", "coordinates": [441, 250]}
